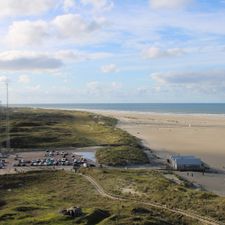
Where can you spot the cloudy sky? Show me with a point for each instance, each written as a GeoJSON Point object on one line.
{"type": "Point", "coordinates": [81, 51]}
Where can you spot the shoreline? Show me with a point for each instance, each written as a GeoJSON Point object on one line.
{"type": "Point", "coordinates": [219, 115]}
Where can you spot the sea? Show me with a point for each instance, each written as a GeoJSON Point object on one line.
{"type": "Point", "coordinates": [174, 108]}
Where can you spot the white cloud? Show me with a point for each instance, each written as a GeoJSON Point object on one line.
{"type": "Point", "coordinates": [24, 79]}
{"type": "Point", "coordinates": [80, 56]}
{"type": "Point", "coordinates": [169, 4]}
{"type": "Point", "coordinates": [93, 87]}
{"type": "Point", "coordinates": [28, 33]}
{"type": "Point", "coordinates": [41, 61]}
{"type": "Point", "coordinates": [34, 88]}
{"type": "Point", "coordinates": [68, 4]}
{"type": "Point", "coordinates": [25, 7]}
{"type": "Point", "coordinates": [99, 4]}
{"type": "Point", "coordinates": [100, 88]}
{"type": "Point", "coordinates": [116, 86]}
{"type": "Point", "coordinates": [74, 27]}
{"type": "Point", "coordinates": [142, 90]}
{"type": "Point", "coordinates": [111, 68]}
{"type": "Point", "coordinates": [209, 82]}
{"type": "Point", "coordinates": [206, 77]}
{"type": "Point", "coordinates": [154, 52]}
{"type": "Point", "coordinates": [67, 26]}
{"type": "Point", "coordinates": [28, 61]}
{"type": "Point", "coordinates": [3, 79]}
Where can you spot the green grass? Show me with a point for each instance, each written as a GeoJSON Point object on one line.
{"type": "Point", "coordinates": [122, 155]}
{"type": "Point", "coordinates": [153, 186]}
{"type": "Point", "coordinates": [37, 197]}
{"type": "Point", "coordinates": [39, 128]}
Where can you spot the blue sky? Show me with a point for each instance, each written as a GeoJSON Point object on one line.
{"type": "Point", "coordinates": [74, 51]}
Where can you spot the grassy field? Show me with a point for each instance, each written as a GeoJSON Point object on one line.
{"type": "Point", "coordinates": [155, 187]}
{"type": "Point", "coordinates": [39, 128]}
{"type": "Point", "coordinates": [36, 198]}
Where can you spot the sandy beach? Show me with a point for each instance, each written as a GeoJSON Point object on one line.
{"type": "Point", "coordinates": [199, 135]}
{"type": "Point", "coordinates": [166, 134]}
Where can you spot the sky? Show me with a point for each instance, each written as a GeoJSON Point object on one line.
{"type": "Point", "coordinates": [112, 51]}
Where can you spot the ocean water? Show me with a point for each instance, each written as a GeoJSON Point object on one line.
{"type": "Point", "coordinates": [178, 108]}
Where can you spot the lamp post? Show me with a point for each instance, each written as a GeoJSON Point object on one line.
{"type": "Point", "coordinates": [1, 125]}
{"type": "Point", "coordinates": [7, 118]}
{"type": "Point", "coordinates": [6, 115]}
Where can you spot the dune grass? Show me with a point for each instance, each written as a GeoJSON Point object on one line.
{"type": "Point", "coordinates": [153, 186]}
{"type": "Point", "coordinates": [37, 198]}
{"type": "Point", "coordinates": [37, 128]}
{"type": "Point", "coordinates": [121, 156]}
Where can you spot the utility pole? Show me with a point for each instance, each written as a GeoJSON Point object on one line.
{"type": "Point", "coordinates": [1, 125]}
{"type": "Point", "coordinates": [7, 118]}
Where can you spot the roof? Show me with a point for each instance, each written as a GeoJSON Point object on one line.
{"type": "Point", "coordinates": [186, 160]}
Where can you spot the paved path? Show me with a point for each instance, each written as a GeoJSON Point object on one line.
{"type": "Point", "coordinates": [204, 220]}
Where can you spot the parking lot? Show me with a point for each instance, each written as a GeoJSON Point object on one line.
{"type": "Point", "coordinates": [48, 159]}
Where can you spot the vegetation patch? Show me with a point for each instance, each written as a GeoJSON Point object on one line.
{"type": "Point", "coordinates": [26, 208]}
{"type": "Point", "coordinates": [45, 193]}
{"type": "Point", "coordinates": [7, 216]}
{"type": "Point", "coordinates": [153, 186]}
{"type": "Point", "coordinates": [95, 216]}
{"type": "Point", "coordinates": [2, 203]}
{"type": "Point", "coordinates": [121, 156]}
{"type": "Point", "coordinates": [140, 210]}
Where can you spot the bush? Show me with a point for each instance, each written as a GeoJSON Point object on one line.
{"type": "Point", "coordinates": [121, 156]}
